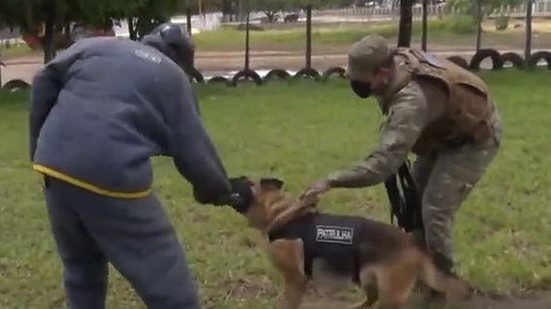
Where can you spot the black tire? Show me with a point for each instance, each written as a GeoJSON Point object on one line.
{"type": "Point", "coordinates": [218, 80]}
{"type": "Point", "coordinates": [248, 74]}
{"type": "Point", "coordinates": [16, 84]}
{"type": "Point", "coordinates": [197, 76]}
{"type": "Point", "coordinates": [515, 59]}
{"type": "Point", "coordinates": [460, 61]}
{"type": "Point", "coordinates": [532, 61]}
{"type": "Point", "coordinates": [308, 72]}
{"type": "Point", "coordinates": [483, 54]}
{"type": "Point", "coordinates": [332, 71]}
{"type": "Point", "coordinates": [276, 73]}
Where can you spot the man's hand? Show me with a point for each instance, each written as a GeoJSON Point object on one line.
{"type": "Point", "coordinates": [316, 189]}
{"type": "Point", "coordinates": [242, 196]}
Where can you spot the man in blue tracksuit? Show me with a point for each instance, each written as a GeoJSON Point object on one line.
{"type": "Point", "coordinates": [99, 111]}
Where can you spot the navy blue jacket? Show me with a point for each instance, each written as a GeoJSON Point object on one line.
{"type": "Point", "coordinates": [104, 106]}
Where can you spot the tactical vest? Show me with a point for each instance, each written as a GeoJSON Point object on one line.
{"type": "Point", "coordinates": [464, 117]}
{"type": "Point", "coordinates": [333, 238]}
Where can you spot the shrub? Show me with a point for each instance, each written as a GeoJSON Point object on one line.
{"type": "Point", "coordinates": [502, 22]}
{"type": "Point", "coordinates": [459, 24]}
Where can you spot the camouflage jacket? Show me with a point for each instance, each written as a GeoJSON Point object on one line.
{"type": "Point", "coordinates": [405, 120]}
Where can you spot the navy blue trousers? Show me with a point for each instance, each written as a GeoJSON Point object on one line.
{"type": "Point", "coordinates": [134, 235]}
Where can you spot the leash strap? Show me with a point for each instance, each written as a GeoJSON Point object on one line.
{"type": "Point", "coordinates": [405, 200]}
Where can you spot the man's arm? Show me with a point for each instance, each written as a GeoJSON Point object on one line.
{"type": "Point", "coordinates": [46, 85]}
{"type": "Point", "coordinates": [193, 152]}
{"type": "Point", "coordinates": [406, 119]}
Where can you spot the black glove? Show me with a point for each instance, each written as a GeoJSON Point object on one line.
{"type": "Point", "coordinates": [242, 196]}
{"type": "Point", "coordinates": [230, 200]}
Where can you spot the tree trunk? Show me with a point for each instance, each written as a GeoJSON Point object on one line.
{"type": "Point", "coordinates": [67, 31]}
{"type": "Point", "coordinates": [242, 10]}
{"type": "Point", "coordinates": [309, 36]}
{"type": "Point", "coordinates": [478, 12]}
{"type": "Point", "coordinates": [528, 46]}
{"type": "Point", "coordinates": [404, 32]}
{"type": "Point", "coordinates": [247, 43]}
{"type": "Point", "coordinates": [29, 12]}
{"type": "Point", "coordinates": [425, 17]}
{"type": "Point", "coordinates": [188, 21]}
{"type": "Point", "coordinates": [1, 65]}
{"type": "Point", "coordinates": [270, 15]}
{"type": "Point", "coordinates": [48, 41]}
{"type": "Point", "coordinates": [226, 10]}
{"type": "Point", "coordinates": [132, 28]}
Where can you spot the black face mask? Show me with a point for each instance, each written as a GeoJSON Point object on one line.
{"type": "Point", "coordinates": [363, 90]}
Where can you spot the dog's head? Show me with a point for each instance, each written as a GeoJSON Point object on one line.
{"type": "Point", "coordinates": [265, 202]}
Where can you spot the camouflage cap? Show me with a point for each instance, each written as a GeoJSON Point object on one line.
{"type": "Point", "coordinates": [366, 55]}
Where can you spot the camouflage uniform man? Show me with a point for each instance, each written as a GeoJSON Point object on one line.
{"type": "Point", "coordinates": [435, 109]}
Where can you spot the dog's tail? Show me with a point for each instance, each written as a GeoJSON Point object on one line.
{"type": "Point", "coordinates": [453, 286]}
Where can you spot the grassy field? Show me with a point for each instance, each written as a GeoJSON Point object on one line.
{"type": "Point", "coordinates": [451, 32]}
{"type": "Point", "coordinates": [15, 50]}
{"type": "Point", "coordinates": [299, 132]}
{"type": "Point", "coordinates": [229, 38]}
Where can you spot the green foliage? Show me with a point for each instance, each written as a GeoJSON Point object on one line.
{"type": "Point", "coordinates": [502, 22]}
{"type": "Point", "coordinates": [51, 16]}
{"type": "Point", "coordinates": [271, 7]}
{"type": "Point", "coordinates": [30, 14]}
{"type": "Point", "coordinates": [289, 5]}
{"type": "Point", "coordinates": [152, 13]}
{"type": "Point", "coordinates": [457, 24]}
{"type": "Point", "coordinates": [488, 6]}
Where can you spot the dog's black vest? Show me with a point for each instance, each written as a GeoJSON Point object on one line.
{"type": "Point", "coordinates": [333, 238]}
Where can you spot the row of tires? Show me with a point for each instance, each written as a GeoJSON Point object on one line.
{"type": "Point", "coordinates": [498, 62]}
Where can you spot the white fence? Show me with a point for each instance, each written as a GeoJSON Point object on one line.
{"type": "Point", "coordinates": [199, 23]}
{"type": "Point", "coordinates": [540, 8]}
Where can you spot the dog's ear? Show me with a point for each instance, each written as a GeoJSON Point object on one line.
{"type": "Point", "coordinates": [271, 184]}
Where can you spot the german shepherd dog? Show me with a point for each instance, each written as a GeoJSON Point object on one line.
{"type": "Point", "coordinates": [305, 244]}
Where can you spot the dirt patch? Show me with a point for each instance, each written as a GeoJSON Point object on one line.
{"type": "Point", "coordinates": [533, 300]}
{"type": "Point", "coordinates": [239, 290]}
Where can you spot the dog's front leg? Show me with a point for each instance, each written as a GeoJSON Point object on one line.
{"type": "Point", "coordinates": [294, 290]}
{"type": "Point", "coordinates": [288, 256]}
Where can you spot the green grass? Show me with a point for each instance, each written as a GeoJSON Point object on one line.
{"type": "Point", "coordinates": [299, 132]}
{"type": "Point", "coordinates": [229, 38]}
{"type": "Point", "coordinates": [15, 51]}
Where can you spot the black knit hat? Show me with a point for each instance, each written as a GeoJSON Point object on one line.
{"type": "Point", "coordinates": [169, 39]}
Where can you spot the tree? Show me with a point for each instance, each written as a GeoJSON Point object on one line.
{"type": "Point", "coordinates": [151, 13]}
{"type": "Point", "coordinates": [488, 6]}
{"type": "Point", "coordinates": [271, 7]}
{"type": "Point", "coordinates": [528, 43]}
{"type": "Point", "coordinates": [47, 23]}
{"type": "Point", "coordinates": [42, 22]}
{"type": "Point", "coordinates": [478, 14]}
{"type": "Point", "coordinates": [404, 29]}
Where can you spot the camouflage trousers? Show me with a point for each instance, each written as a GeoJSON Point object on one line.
{"type": "Point", "coordinates": [445, 179]}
